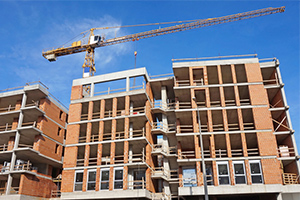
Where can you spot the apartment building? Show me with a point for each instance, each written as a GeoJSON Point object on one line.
{"type": "Point", "coordinates": [131, 136]}
{"type": "Point", "coordinates": [32, 131]}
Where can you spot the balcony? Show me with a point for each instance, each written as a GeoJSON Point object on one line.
{"type": "Point", "coordinates": [118, 136]}
{"type": "Point", "coordinates": [161, 172]}
{"type": "Point", "coordinates": [119, 159]}
{"type": "Point", "coordinates": [163, 127]}
{"type": "Point", "coordinates": [166, 151]}
{"type": "Point", "coordinates": [119, 113]}
{"type": "Point", "coordinates": [6, 127]}
{"type": "Point", "coordinates": [189, 129]}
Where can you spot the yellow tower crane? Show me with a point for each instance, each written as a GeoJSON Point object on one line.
{"type": "Point", "coordinates": [95, 41]}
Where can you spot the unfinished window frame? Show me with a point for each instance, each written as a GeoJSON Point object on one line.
{"type": "Point", "coordinates": [221, 175]}
{"type": "Point", "coordinates": [88, 181]}
{"type": "Point", "coordinates": [77, 182]}
{"type": "Point", "coordinates": [239, 175]}
{"type": "Point", "coordinates": [256, 174]}
{"type": "Point", "coordinates": [118, 180]}
{"type": "Point", "coordinates": [104, 181]}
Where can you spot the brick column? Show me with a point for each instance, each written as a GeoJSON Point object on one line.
{"type": "Point", "coordinates": [18, 105]}
{"type": "Point", "coordinates": [126, 143]}
{"type": "Point", "coordinates": [11, 143]}
{"type": "Point", "coordinates": [84, 183]}
{"type": "Point", "coordinates": [180, 176]}
{"type": "Point", "coordinates": [215, 173]}
{"type": "Point", "coordinates": [248, 172]}
{"type": "Point", "coordinates": [179, 149]}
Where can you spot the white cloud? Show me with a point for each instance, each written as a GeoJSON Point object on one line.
{"type": "Point", "coordinates": [58, 76]}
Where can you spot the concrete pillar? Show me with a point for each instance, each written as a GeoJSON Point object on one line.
{"type": "Point", "coordinates": [131, 108]}
{"type": "Point", "coordinates": [127, 84]}
{"type": "Point", "coordinates": [164, 97]}
{"type": "Point", "coordinates": [164, 121]}
{"type": "Point", "coordinates": [130, 154]}
{"type": "Point", "coordinates": [17, 139]}
{"type": "Point", "coordinates": [166, 188]}
{"type": "Point", "coordinates": [130, 178]}
{"type": "Point", "coordinates": [130, 130]}
{"type": "Point", "coordinates": [92, 89]}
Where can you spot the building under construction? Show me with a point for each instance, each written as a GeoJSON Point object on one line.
{"type": "Point", "coordinates": [32, 132]}
{"type": "Point", "coordinates": [130, 136]}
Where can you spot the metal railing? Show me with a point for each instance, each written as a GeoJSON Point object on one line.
{"type": "Point", "coordinates": [163, 172]}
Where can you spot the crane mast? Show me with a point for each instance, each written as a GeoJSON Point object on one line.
{"type": "Point", "coordinates": [97, 41]}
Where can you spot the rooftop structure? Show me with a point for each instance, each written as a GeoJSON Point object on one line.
{"type": "Point", "coordinates": [135, 137]}
{"type": "Point", "coordinates": [32, 129]}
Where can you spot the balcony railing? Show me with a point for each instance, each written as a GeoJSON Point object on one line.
{"type": "Point", "coordinates": [253, 152]}
{"type": "Point", "coordinates": [110, 91]}
{"type": "Point", "coordinates": [164, 149]}
{"type": "Point", "coordinates": [109, 113]}
{"type": "Point", "coordinates": [6, 127]}
{"type": "Point", "coordinates": [119, 159]}
{"type": "Point", "coordinates": [162, 172]}
{"type": "Point", "coordinates": [108, 136]}
{"type": "Point", "coordinates": [137, 184]}
{"type": "Point", "coordinates": [34, 103]}
{"type": "Point", "coordinates": [34, 124]}
{"type": "Point", "coordinates": [182, 129]}
{"type": "Point", "coordinates": [271, 82]}
{"type": "Point", "coordinates": [163, 126]}
{"type": "Point", "coordinates": [7, 109]}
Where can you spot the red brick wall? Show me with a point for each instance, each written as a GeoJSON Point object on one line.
{"type": "Point", "coordinates": [67, 183]}
{"type": "Point", "coordinates": [47, 147]}
{"type": "Point", "coordinates": [53, 111]}
{"type": "Point", "coordinates": [253, 72]}
{"type": "Point", "coordinates": [36, 186]}
{"type": "Point", "coordinates": [75, 112]}
{"type": "Point", "coordinates": [271, 171]}
{"type": "Point", "coordinates": [76, 92]}
{"type": "Point", "coordinates": [50, 129]}
{"type": "Point", "coordinates": [258, 95]}
{"type": "Point", "coordinates": [262, 118]}
{"type": "Point", "coordinates": [70, 158]}
{"type": "Point", "coordinates": [73, 134]}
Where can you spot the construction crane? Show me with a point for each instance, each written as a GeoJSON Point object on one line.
{"type": "Point", "coordinates": [95, 41]}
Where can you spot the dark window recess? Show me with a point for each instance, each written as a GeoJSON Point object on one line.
{"type": "Point", "coordinates": [58, 131]}
{"type": "Point", "coordinates": [61, 115]}
{"type": "Point", "coordinates": [56, 148]}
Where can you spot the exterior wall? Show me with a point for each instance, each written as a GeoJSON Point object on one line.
{"type": "Point", "coordinates": [36, 186]}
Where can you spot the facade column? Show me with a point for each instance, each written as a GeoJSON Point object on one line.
{"type": "Point", "coordinates": [16, 144]}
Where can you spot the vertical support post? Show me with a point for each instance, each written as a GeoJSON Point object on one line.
{"type": "Point", "coordinates": [17, 139]}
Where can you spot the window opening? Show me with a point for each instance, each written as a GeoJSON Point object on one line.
{"type": "Point", "coordinates": [91, 182]}
{"type": "Point", "coordinates": [104, 180]}
{"type": "Point", "coordinates": [78, 181]}
{"type": "Point", "coordinates": [239, 172]}
{"type": "Point", "coordinates": [118, 178]}
{"type": "Point", "coordinates": [223, 173]}
{"type": "Point", "coordinates": [256, 173]}
{"type": "Point", "coordinates": [189, 177]}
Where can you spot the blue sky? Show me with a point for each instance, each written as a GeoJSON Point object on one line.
{"type": "Point", "coordinates": [28, 27]}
